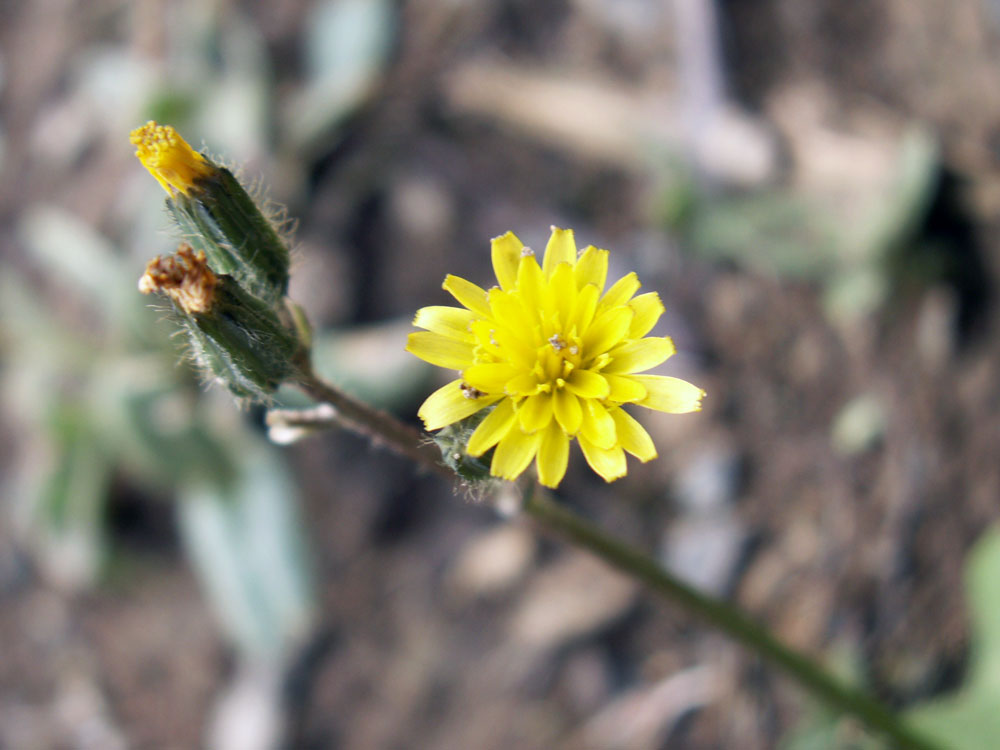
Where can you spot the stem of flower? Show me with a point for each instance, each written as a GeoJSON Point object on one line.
{"type": "Point", "coordinates": [835, 693]}
{"type": "Point", "coordinates": [724, 616]}
{"type": "Point", "coordinates": [379, 427]}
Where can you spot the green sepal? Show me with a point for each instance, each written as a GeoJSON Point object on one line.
{"type": "Point", "coordinates": [242, 343]}
{"type": "Point", "coordinates": [453, 441]}
{"type": "Point", "coordinates": [221, 218]}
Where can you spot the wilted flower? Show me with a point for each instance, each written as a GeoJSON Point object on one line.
{"type": "Point", "coordinates": [184, 276]}
{"type": "Point", "coordinates": [554, 356]}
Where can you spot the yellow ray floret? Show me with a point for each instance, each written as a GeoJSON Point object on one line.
{"type": "Point", "coordinates": [556, 354]}
{"type": "Point", "coordinates": [169, 158]}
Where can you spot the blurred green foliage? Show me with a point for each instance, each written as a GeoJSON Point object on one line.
{"type": "Point", "coordinates": [98, 379]}
{"type": "Point", "coordinates": [792, 233]}
{"type": "Point", "coordinates": [965, 719]}
{"type": "Point", "coordinates": [969, 719]}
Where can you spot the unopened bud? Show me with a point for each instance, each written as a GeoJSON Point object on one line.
{"type": "Point", "coordinates": [215, 213]}
{"type": "Point", "coordinates": [233, 335]}
{"type": "Point", "coordinates": [453, 441]}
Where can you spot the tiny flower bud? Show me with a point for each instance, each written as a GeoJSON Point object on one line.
{"type": "Point", "coordinates": [453, 441]}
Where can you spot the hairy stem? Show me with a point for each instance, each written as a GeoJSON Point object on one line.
{"type": "Point", "coordinates": [379, 427]}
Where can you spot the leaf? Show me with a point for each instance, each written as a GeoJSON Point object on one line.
{"type": "Point", "coordinates": [969, 719]}
{"type": "Point", "coordinates": [347, 44]}
{"type": "Point", "coordinates": [774, 232]}
{"type": "Point", "coordinates": [77, 256]}
{"type": "Point", "coordinates": [67, 508]}
{"type": "Point", "coordinates": [245, 542]}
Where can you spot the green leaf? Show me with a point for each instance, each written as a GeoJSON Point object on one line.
{"type": "Point", "coordinates": [77, 257]}
{"type": "Point", "coordinates": [157, 430]}
{"type": "Point", "coordinates": [969, 718]}
{"type": "Point", "coordinates": [68, 507]}
{"type": "Point", "coordinates": [245, 543]}
{"type": "Point", "coordinates": [347, 44]}
{"type": "Point", "coordinates": [775, 232]}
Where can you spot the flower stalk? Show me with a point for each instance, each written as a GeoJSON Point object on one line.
{"type": "Point", "coordinates": [378, 426]}
{"type": "Point", "coordinates": [835, 693]}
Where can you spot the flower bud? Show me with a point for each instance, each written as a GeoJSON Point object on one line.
{"type": "Point", "coordinates": [453, 441]}
{"type": "Point", "coordinates": [233, 335]}
{"type": "Point", "coordinates": [215, 213]}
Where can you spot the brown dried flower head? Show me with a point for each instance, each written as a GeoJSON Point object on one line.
{"type": "Point", "coordinates": [184, 276]}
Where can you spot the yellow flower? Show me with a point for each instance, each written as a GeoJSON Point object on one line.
{"type": "Point", "coordinates": [169, 158]}
{"type": "Point", "coordinates": [557, 358]}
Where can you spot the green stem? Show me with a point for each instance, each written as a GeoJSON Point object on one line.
{"type": "Point", "coordinates": [726, 618]}
{"type": "Point", "coordinates": [838, 695]}
{"type": "Point", "coordinates": [378, 426]}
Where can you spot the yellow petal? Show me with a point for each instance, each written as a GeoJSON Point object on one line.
{"type": "Point", "coordinates": [567, 410]}
{"type": "Point", "coordinates": [561, 248]}
{"type": "Point", "coordinates": [449, 404]}
{"type": "Point", "coordinates": [592, 268]}
{"type": "Point", "coordinates": [587, 384]}
{"type": "Point", "coordinates": [535, 412]}
{"type": "Point", "coordinates": [483, 331]}
{"type": "Point", "coordinates": [621, 292]}
{"type": "Point", "coordinates": [514, 348]}
{"type": "Point", "coordinates": [671, 395]}
{"type": "Point", "coordinates": [490, 377]}
{"type": "Point", "coordinates": [448, 321]}
{"type": "Point", "coordinates": [470, 295]}
{"type": "Point", "coordinates": [562, 290]}
{"type": "Point", "coordinates": [584, 309]}
{"type": "Point", "coordinates": [598, 427]}
{"type": "Point", "coordinates": [624, 389]}
{"type": "Point", "coordinates": [440, 350]}
{"type": "Point", "coordinates": [609, 463]}
{"type": "Point", "coordinates": [636, 356]}
{"type": "Point", "coordinates": [506, 252]}
{"type": "Point", "coordinates": [492, 429]}
{"type": "Point", "coordinates": [607, 330]}
{"type": "Point", "coordinates": [648, 309]}
{"type": "Point", "coordinates": [632, 436]}
{"type": "Point", "coordinates": [506, 307]}
{"type": "Point", "coordinates": [514, 452]}
{"type": "Point", "coordinates": [525, 384]}
{"type": "Point", "coordinates": [530, 282]}
{"type": "Point", "coordinates": [513, 325]}
{"type": "Point", "coordinates": [553, 456]}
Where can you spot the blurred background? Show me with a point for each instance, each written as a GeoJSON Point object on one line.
{"type": "Point", "coordinates": [812, 186]}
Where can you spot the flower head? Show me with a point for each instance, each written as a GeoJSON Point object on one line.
{"type": "Point", "coordinates": [555, 355]}
{"type": "Point", "coordinates": [185, 277]}
{"type": "Point", "coordinates": [169, 158]}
